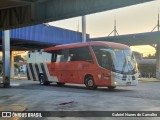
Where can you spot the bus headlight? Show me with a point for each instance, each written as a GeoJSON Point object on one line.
{"type": "Point", "coordinates": [115, 83]}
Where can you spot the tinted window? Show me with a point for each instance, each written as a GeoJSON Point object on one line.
{"type": "Point", "coordinates": [60, 55]}
{"type": "Point", "coordinates": [64, 56]}
{"type": "Point", "coordinates": [103, 57]}
{"type": "Point", "coordinates": [80, 54]}
{"type": "Point", "coordinates": [56, 55]}
{"type": "Point", "coordinates": [73, 54]}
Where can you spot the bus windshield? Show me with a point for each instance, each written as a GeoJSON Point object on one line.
{"type": "Point", "coordinates": [117, 60]}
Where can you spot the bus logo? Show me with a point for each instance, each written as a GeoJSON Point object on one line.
{"type": "Point", "coordinates": [6, 114]}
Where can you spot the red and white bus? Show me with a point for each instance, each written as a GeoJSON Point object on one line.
{"type": "Point", "coordinates": [93, 64]}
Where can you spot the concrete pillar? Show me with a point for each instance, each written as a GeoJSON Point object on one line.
{"type": "Point", "coordinates": [12, 64]}
{"type": "Point", "coordinates": [158, 62]}
{"type": "Point", "coordinates": [84, 29]}
{"type": "Point", "coordinates": [6, 58]}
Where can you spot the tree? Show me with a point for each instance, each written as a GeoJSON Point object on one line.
{"type": "Point", "coordinates": [17, 66]}
{"type": "Point", "coordinates": [18, 58]}
{"type": "Point", "coordinates": [150, 56]}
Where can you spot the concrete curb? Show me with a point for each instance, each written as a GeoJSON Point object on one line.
{"type": "Point", "coordinates": [148, 80]}
{"type": "Point", "coordinates": [19, 78]}
{"type": "Point", "coordinates": [16, 78]}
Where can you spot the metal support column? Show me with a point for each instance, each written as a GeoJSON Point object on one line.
{"type": "Point", "coordinates": [83, 28]}
{"type": "Point", "coordinates": [6, 58]}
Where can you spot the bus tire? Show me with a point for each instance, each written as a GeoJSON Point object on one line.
{"type": "Point", "coordinates": [60, 84]}
{"type": "Point", "coordinates": [89, 82]}
{"type": "Point", "coordinates": [111, 87]}
{"type": "Point", "coordinates": [42, 80]}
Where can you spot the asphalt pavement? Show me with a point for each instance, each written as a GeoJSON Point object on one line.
{"type": "Point", "coordinates": [32, 96]}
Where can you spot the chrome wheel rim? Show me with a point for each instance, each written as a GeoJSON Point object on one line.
{"type": "Point", "coordinates": [90, 83]}
{"type": "Point", "coordinates": [41, 79]}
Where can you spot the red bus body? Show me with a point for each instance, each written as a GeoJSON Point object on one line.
{"type": "Point", "coordinates": [77, 71]}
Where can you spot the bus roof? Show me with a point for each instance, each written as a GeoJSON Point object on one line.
{"type": "Point", "coordinates": [107, 44]}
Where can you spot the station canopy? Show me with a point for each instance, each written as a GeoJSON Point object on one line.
{"type": "Point", "coordinates": [41, 36]}
{"type": "Point", "coordinates": [20, 13]}
{"type": "Point", "coordinates": [148, 38]}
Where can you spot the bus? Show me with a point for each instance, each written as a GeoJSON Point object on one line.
{"type": "Point", "coordinates": [93, 63]}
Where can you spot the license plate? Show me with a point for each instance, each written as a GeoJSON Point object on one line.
{"type": "Point", "coordinates": [128, 83]}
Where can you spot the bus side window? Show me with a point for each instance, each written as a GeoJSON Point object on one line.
{"type": "Point", "coordinates": [56, 55]}
{"type": "Point", "coordinates": [73, 54]}
{"type": "Point", "coordinates": [86, 56]}
{"type": "Point", "coordinates": [64, 56]}
{"type": "Point", "coordinates": [106, 60]}
{"type": "Point", "coordinates": [53, 56]}
{"type": "Point", "coordinates": [80, 54]}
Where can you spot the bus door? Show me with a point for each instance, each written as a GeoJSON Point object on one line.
{"type": "Point", "coordinates": [105, 62]}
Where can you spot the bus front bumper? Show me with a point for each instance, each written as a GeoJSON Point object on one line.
{"type": "Point", "coordinates": [124, 80]}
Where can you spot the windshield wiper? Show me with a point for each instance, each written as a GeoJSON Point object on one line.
{"type": "Point", "coordinates": [124, 65]}
{"type": "Point", "coordinates": [131, 65]}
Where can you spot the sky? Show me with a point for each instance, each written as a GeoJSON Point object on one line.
{"type": "Point", "coordinates": [133, 19]}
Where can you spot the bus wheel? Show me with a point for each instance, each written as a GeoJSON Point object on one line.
{"type": "Point", "coordinates": [60, 84]}
{"type": "Point", "coordinates": [111, 87]}
{"type": "Point", "coordinates": [90, 84]}
{"type": "Point", "coordinates": [42, 80]}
